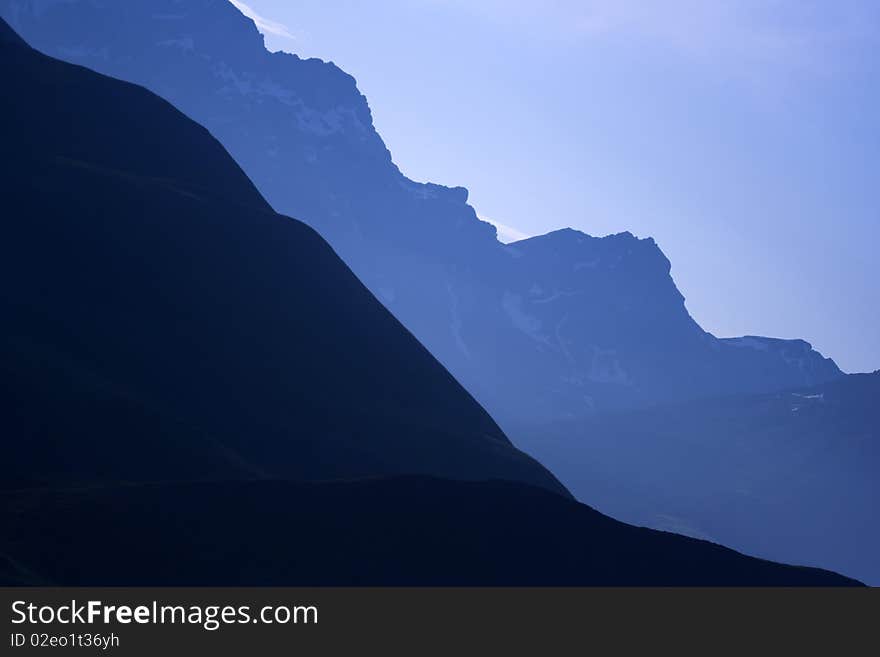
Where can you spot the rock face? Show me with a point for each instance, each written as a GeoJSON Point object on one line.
{"type": "Point", "coordinates": [551, 327]}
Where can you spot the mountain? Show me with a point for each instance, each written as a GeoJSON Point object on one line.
{"type": "Point", "coordinates": [403, 531]}
{"type": "Point", "coordinates": [609, 311]}
{"type": "Point", "coordinates": [165, 323]}
{"type": "Point", "coordinates": [553, 327]}
{"type": "Point", "coordinates": [790, 476]}
{"type": "Point", "coordinates": [8, 36]}
{"type": "Point", "coordinates": [175, 354]}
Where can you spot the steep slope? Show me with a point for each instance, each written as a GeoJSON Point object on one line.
{"type": "Point", "coordinates": [553, 327]}
{"type": "Point", "coordinates": [790, 476]}
{"type": "Point", "coordinates": [162, 322]}
{"type": "Point", "coordinates": [405, 531]}
{"type": "Point", "coordinates": [172, 349]}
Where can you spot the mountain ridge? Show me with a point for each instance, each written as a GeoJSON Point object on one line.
{"type": "Point", "coordinates": [408, 531]}
{"type": "Point", "coordinates": [173, 360]}
{"type": "Point", "coordinates": [303, 132]}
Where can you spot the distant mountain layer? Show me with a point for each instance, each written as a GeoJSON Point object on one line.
{"type": "Point", "coordinates": [173, 351]}
{"type": "Point", "coordinates": [161, 322]}
{"type": "Point", "coordinates": [790, 476]}
{"type": "Point", "coordinates": [552, 327]}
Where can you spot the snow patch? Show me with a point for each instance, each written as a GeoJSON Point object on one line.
{"type": "Point", "coordinates": [419, 190]}
{"type": "Point", "coordinates": [513, 306]}
{"type": "Point", "coordinates": [557, 294]}
{"type": "Point", "coordinates": [309, 120]}
{"type": "Point", "coordinates": [749, 343]}
{"type": "Point", "coordinates": [606, 368]}
{"type": "Point", "coordinates": [82, 52]}
{"type": "Point", "coordinates": [820, 396]}
{"type": "Point", "coordinates": [455, 323]}
{"type": "Point", "coordinates": [186, 44]}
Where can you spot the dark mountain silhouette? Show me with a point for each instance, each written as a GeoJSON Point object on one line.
{"type": "Point", "coordinates": [9, 36]}
{"type": "Point", "coordinates": [161, 321]}
{"type": "Point", "coordinates": [790, 476]}
{"type": "Point", "coordinates": [405, 531]}
{"type": "Point", "coordinates": [172, 349]}
{"type": "Point", "coordinates": [552, 327]}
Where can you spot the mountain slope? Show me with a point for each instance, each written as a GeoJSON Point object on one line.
{"type": "Point", "coordinates": [151, 291]}
{"type": "Point", "coordinates": [790, 476]}
{"type": "Point", "coordinates": [173, 350]}
{"type": "Point", "coordinates": [557, 326]}
{"type": "Point", "coordinates": [405, 531]}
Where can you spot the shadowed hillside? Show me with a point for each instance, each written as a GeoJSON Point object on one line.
{"type": "Point", "coordinates": [165, 323]}
{"type": "Point", "coordinates": [406, 531]}
{"type": "Point", "coordinates": [173, 351]}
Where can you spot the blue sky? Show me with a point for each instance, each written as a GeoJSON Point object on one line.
{"type": "Point", "coordinates": [744, 136]}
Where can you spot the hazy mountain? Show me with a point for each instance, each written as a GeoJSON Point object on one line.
{"type": "Point", "coordinates": [789, 475]}
{"type": "Point", "coordinates": [161, 322]}
{"type": "Point", "coordinates": [174, 344]}
{"type": "Point", "coordinates": [552, 327]}
{"type": "Point", "coordinates": [548, 329]}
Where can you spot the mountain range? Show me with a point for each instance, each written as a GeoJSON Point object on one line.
{"type": "Point", "coordinates": [554, 327]}
{"type": "Point", "coordinates": [198, 391]}
{"type": "Point", "coordinates": [580, 347]}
